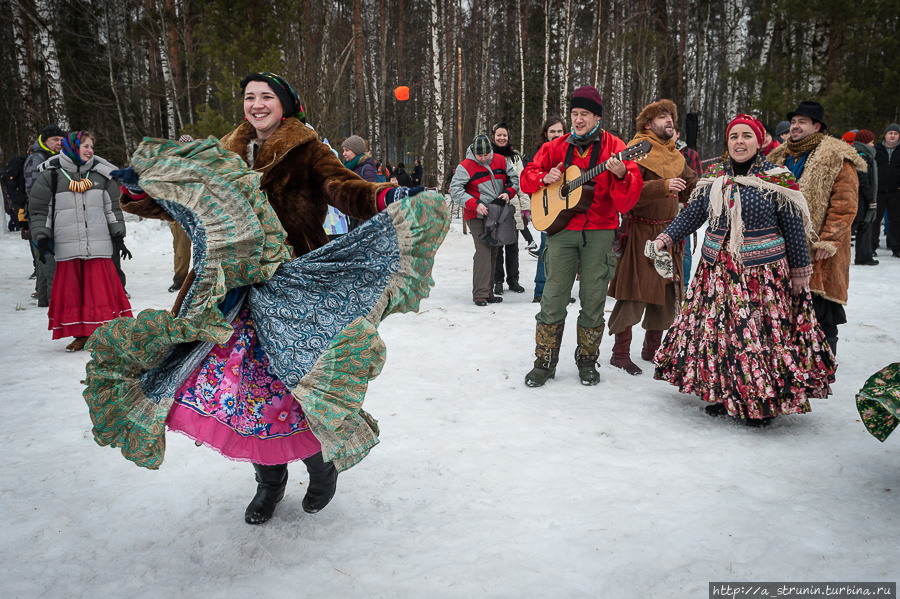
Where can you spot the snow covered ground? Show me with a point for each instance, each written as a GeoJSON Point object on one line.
{"type": "Point", "coordinates": [481, 487]}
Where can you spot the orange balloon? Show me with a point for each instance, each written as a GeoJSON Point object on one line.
{"type": "Point", "coordinates": [402, 93]}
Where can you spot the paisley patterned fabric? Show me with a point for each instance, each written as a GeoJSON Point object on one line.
{"type": "Point", "coordinates": [878, 401]}
{"type": "Point", "coordinates": [239, 242]}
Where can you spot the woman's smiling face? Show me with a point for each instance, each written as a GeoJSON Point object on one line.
{"type": "Point", "coordinates": [262, 108]}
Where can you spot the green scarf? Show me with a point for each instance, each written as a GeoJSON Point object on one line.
{"type": "Point", "coordinates": [352, 164]}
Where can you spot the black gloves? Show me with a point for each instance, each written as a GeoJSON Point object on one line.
{"type": "Point", "coordinates": [871, 213]}
{"type": "Point", "coordinates": [44, 248]}
{"type": "Point", "coordinates": [120, 249]}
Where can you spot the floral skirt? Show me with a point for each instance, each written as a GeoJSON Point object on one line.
{"type": "Point", "coordinates": [744, 341]}
{"type": "Point", "coordinates": [85, 294]}
{"type": "Point", "coordinates": [234, 404]}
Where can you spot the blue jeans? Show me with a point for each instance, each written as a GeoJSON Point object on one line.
{"type": "Point", "coordinates": [687, 261]}
{"type": "Point", "coordinates": [540, 278]}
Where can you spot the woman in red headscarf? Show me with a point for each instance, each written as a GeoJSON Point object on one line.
{"type": "Point", "coordinates": [747, 340]}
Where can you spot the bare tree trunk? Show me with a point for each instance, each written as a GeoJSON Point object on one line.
{"type": "Point", "coordinates": [126, 141]}
{"type": "Point", "coordinates": [521, 73]}
{"type": "Point", "coordinates": [436, 78]}
{"type": "Point", "coordinates": [26, 98]}
{"type": "Point", "coordinates": [52, 74]}
{"type": "Point", "coordinates": [565, 47]}
{"type": "Point", "coordinates": [546, 58]}
{"type": "Point", "coordinates": [358, 63]}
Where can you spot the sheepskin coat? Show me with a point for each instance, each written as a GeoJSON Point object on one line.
{"type": "Point", "coordinates": [830, 187]}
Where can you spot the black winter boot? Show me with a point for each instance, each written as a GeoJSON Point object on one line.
{"type": "Point", "coordinates": [586, 353]}
{"type": "Point", "coordinates": [270, 490]}
{"type": "Point", "coordinates": [322, 483]}
{"type": "Point", "coordinates": [548, 338]}
{"type": "Point", "coordinates": [498, 288]}
{"type": "Point", "coordinates": [514, 286]}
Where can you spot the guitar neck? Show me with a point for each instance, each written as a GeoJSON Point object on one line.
{"type": "Point", "coordinates": [590, 173]}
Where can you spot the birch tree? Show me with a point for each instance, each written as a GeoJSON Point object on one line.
{"type": "Point", "coordinates": [436, 78]}
{"type": "Point", "coordinates": [52, 72]}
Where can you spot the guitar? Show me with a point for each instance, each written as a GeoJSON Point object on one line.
{"type": "Point", "coordinates": [553, 206]}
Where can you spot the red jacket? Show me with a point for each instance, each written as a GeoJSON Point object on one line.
{"type": "Point", "coordinates": [611, 194]}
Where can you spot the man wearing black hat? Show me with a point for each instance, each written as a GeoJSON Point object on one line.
{"type": "Point", "coordinates": [587, 238]}
{"type": "Point", "coordinates": [44, 147]}
{"type": "Point", "coordinates": [888, 159]}
{"type": "Point", "coordinates": [826, 169]}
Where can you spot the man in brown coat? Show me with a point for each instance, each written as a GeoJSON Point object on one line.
{"type": "Point", "coordinates": [639, 290]}
{"type": "Point", "coordinates": [826, 169]}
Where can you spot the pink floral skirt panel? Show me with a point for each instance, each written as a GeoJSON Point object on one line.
{"type": "Point", "coordinates": [234, 404]}
{"type": "Point", "coordinates": [744, 341]}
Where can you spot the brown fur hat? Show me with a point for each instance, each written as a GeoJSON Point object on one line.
{"type": "Point", "coordinates": [651, 111]}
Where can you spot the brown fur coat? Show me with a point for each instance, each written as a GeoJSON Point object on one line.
{"type": "Point", "coordinates": [830, 187]}
{"type": "Point", "coordinates": [301, 177]}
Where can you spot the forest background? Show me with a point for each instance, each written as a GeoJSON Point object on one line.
{"type": "Point", "coordinates": [134, 68]}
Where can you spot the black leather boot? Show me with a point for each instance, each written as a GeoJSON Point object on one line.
{"type": "Point", "coordinates": [269, 491]}
{"type": "Point", "coordinates": [322, 483]}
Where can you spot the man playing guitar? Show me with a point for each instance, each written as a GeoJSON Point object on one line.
{"type": "Point", "coordinates": [587, 238]}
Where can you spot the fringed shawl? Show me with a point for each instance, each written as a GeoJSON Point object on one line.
{"type": "Point", "coordinates": [776, 184]}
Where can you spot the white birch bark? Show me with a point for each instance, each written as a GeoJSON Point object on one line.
{"type": "Point", "coordinates": [436, 78]}
{"type": "Point", "coordinates": [521, 75]}
{"type": "Point", "coordinates": [53, 76]}
{"type": "Point", "coordinates": [764, 54]}
{"type": "Point", "coordinates": [566, 50]}
{"type": "Point", "coordinates": [546, 58]}
{"type": "Point", "coordinates": [737, 21]}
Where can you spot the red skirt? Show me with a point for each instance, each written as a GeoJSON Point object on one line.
{"type": "Point", "coordinates": [86, 294]}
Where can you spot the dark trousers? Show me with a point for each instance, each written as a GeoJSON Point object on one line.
{"type": "Point", "coordinates": [510, 255]}
{"type": "Point", "coordinates": [863, 231]}
{"type": "Point", "coordinates": [888, 201]}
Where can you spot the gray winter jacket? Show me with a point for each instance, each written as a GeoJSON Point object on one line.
{"type": "Point", "coordinates": [474, 182]}
{"type": "Point", "coordinates": [82, 224]}
{"type": "Point", "coordinates": [38, 155]}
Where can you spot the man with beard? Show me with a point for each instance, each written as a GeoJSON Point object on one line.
{"type": "Point", "coordinates": [639, 290]}
{"type": "Point", "coordinates": [826, 169]}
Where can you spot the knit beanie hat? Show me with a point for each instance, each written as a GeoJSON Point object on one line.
{"type": "Point", "coordinates": [755, 125]}
{"type": "Point", "coordinates": [587, 97]}
{"type": "Point", "coordinates": [849, 137]}
{"type": "Point", "coordinates": [51, 130]}
{"type": "Point", "coordinates": [71, 145]}
{"type": "Point", "coordinates": [290, 103]}
{"type": "Point", "coordinates": [185, 139]}
{"type": "Point", "coordinates": [782, 128]}
{"type": "Point", "coordinates": [481, 145]}
{"type": "Point", "coordinates": [864, 136]}
{"type": "Point", "coordinates": [355, 144]}
{"type": "Point", "coordinates": [893, 127]}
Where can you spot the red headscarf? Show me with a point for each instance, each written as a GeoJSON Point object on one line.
{"type": "Point", "coordinates": [750, 121]}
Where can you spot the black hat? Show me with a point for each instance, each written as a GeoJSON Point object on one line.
{"type": "Point", "coordinates": [290, 103]}
{"type": "Point", "coordinates": [813, 110]}
{"type": "Point", "coordinates": [51, 130]}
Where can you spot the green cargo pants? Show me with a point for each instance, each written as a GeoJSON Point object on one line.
{"type": "Point", "coordinates": [565, 250]}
